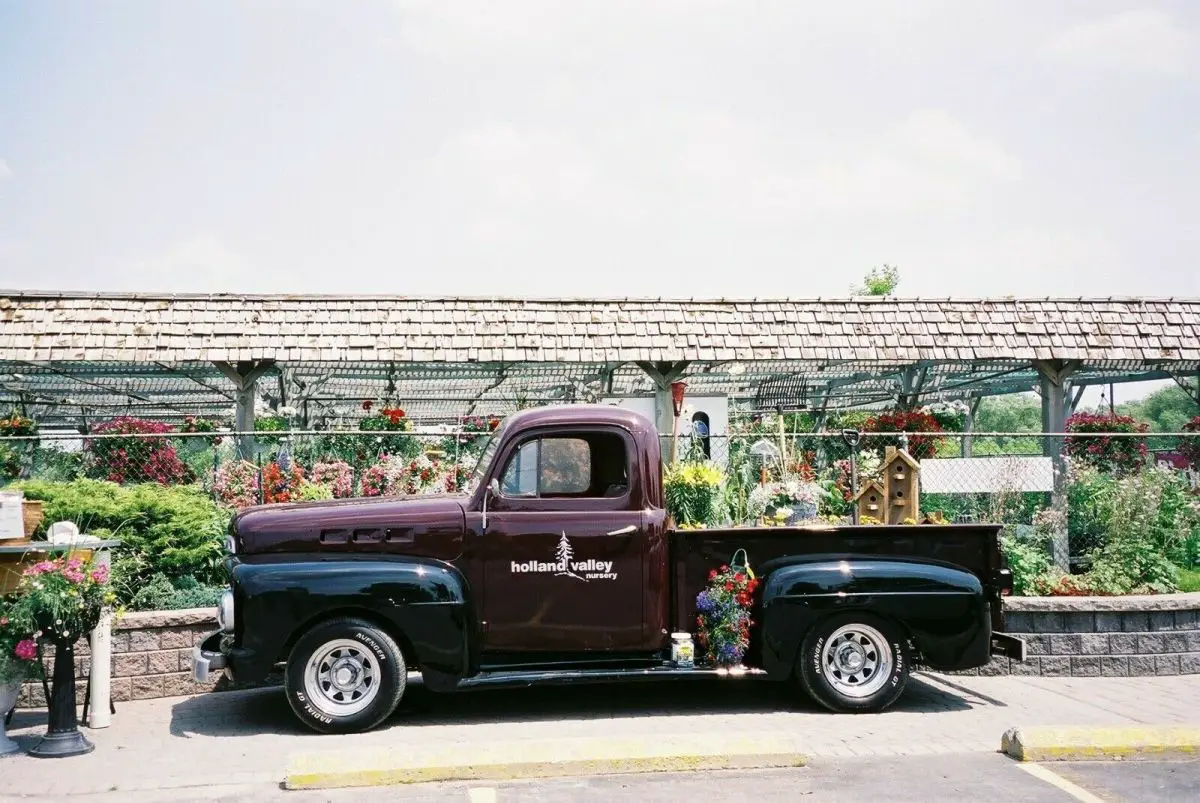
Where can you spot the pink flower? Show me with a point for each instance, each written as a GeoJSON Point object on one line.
{"type": "Point", "coordinates": [73, 575]}
{"type": "Point", "coordinates": [100, 575]}
{"type": "Point", "coordinates": [3, 621]}
{"type": "Point", "coordinates": [45, 567]}
{"type": "Point", "coordinates": [26, 650]}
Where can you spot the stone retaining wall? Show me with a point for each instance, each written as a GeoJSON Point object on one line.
{"type": "Point", "coordinates": [151, 654]}
{"type": "Point", "coordinates": [1109, 636]}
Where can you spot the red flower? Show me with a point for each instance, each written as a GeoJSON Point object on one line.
{"type": "Point", "coordinates": [728, 586]}
{"type": "Point", "coordinates": [712, 575]}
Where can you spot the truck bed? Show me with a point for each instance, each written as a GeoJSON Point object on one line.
{"type": "Point", "coordinates": [973, 547]}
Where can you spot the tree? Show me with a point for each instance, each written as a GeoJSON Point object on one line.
{"type": "Point", "coordinates": [565, 555]}
{"type": "Point", "coordinates": [1165, 410]}
{"type": "Point", "coordinates": [879, 281]}
{"type": "Point", "coordinates": [1014, 413]}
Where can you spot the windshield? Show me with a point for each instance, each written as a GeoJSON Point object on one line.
{"type": "Point", "coordinates": [485, 460]}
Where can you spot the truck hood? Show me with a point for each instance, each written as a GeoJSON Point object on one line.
{"type": "Point", "coordinates": [426, 526]}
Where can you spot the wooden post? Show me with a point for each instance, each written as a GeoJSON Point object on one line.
{"type": "Point", "coordinates": [1054, 375]}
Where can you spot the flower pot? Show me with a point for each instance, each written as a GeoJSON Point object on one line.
{"type": "Point", "coordinates": [802, 512]}
{"type": "Point", "coordinates": [9, 691]}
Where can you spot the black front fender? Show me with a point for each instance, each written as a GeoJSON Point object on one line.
{"type": "Point", "coordinates": [941, 608]}
{"type": "Point", "coordinates": [424, 602]}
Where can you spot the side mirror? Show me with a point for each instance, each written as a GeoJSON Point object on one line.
{"type": "Point", "coordinates": [492, 489]}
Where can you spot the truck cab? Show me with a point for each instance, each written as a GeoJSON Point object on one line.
{"type": "Point", "coordinates": [557, 565]}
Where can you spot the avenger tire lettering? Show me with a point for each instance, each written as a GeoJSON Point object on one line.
{"type": "Point", "coordinates": [336, 686]}
{"type": "Point", "coordinates": [374, 645]}
{"type": "Point", "coordinates": [854, 662]}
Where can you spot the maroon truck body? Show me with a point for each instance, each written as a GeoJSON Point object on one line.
{"type": "Point", "coordinates": [544, 566]}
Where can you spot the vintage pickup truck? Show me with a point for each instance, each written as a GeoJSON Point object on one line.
{"type": "Point", "coordinates": [557, 565]}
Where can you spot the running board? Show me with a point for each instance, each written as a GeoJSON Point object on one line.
{"type": "Point", "coordinates": [491, 680]}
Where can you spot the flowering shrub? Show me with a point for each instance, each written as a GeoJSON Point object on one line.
{"type": "Point", "coordinates": [15, 424]}
{"type": "Point", "coordinates": [280, 480]}
{"type": "Point", "coordinates": [723, 614]}
{"type": "Point", "coordinates": [402, 476]}
{"type": "Point", "coordinates": [237, 484]}
{"type": "Point", "coordinates": [138, 458]}
{"type": "Point", "coordinates": [337, 476]}
{"type": "Point", "coordinates": [63, 598]}
{"type": "Point", "coordinates": [1115, 455]}
{"type": "Point", "coordinates": [1190, 447]}
{"type": "Point", "coordinates": [919, 446]}
{"type": "Point", "coordinates": [693, 492]}
{"type": "Point", "coordinates": [308, 491]}
{"type": "Point", "coordinates": [18, 650]}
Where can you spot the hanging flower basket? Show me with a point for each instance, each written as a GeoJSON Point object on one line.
{"type": "Point", "coordinates": [723, 612]}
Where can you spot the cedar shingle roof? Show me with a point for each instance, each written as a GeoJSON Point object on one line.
{"type": "Point", "coordinates": [190, 328]}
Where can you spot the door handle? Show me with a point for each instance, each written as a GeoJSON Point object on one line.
{"type": "Point", "coordinates": [624, 530]}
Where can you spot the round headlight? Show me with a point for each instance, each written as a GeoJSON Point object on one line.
{"type": "Point", "coordinates": [225, 612]}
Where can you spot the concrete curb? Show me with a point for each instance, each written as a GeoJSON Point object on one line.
{"type": "Point", "coordinates": [539, 759]}
{"type": "Point", "coordinates": [1098, 743]}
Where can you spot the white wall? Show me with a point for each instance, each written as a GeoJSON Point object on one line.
{"type": "Point", "coordinates": [658, 409]}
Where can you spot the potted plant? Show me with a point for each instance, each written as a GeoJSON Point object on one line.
{"type": "Point", "coordinates": [63, 599]}
{"type": "Point", "coordinates": [18, 660]}
{"type": "Point", "coordinates": [693, 493]}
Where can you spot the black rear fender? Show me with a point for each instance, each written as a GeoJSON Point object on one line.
{"type": "Point", "coordinates": [424, 603]}
{"type": "Point", "coordinates": [941, 607]}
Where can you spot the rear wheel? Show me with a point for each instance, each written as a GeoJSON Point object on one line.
{"type": "Point", "coordinates": [854, 663]}
{"type": "Point", "coordinates": [345, 676]}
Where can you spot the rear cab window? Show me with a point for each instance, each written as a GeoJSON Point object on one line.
{"type": "Point", "coordinates": [583, 466]}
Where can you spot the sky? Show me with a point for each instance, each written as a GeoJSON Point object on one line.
{"type": "Point", "coordinates": [682, 148]}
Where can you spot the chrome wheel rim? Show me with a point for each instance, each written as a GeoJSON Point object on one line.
{"type": "Point", "coordinates": [342, 678]}
{"type": "Point", "coordinates": [857, 660]}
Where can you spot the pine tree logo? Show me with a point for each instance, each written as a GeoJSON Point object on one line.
{"type": "Point", "coordinates": [564, 555]}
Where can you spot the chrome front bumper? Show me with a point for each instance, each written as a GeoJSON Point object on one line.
{"type": "Point", "coordinates": [208, 658]}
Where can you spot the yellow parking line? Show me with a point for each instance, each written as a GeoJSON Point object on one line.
{"type": "Point", "coordinates": [1059, 782]}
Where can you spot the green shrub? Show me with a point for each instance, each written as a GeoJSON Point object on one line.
{"type": "Point", "coordinates": [1028, 553]}
{"type": "Point", "coordinates": [163, 594]}
{"type": "Point", "coordinates": [169, 530]}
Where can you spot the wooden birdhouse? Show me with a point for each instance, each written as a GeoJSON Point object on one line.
{"type": "Point", "coordinates": [871, 502]}
{"type": "Point", "coordinates": [901, 478]}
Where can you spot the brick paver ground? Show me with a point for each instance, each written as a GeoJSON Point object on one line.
{"type": "Point", "coordinates": [246, 737]}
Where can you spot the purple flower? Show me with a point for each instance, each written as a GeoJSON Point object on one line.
{"type": "Point", "coordinates": [705, 603]}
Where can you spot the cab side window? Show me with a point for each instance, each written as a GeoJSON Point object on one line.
{"type": "Point", "coordinates": [575, 467]}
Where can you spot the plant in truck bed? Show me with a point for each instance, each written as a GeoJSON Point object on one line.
{"type": "Point", "coordinates": [693, 493]}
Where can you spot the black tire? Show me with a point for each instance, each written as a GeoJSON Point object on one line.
{"type": "Point", "coordinates": [368, 663]}
{"type": "Point", "coordinates": [831, 677]}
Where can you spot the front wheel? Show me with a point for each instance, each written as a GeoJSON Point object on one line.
{"type": "Point", "coordinates": [345, 676]}
{"type": "Point", "coordinates": [854, 663]}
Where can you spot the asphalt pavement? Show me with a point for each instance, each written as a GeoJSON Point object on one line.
{"type": "Point", "coordinates": [899, 779]}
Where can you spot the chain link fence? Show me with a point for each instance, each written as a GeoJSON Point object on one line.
{"type": "Point", "coordinates": [984, 477]}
